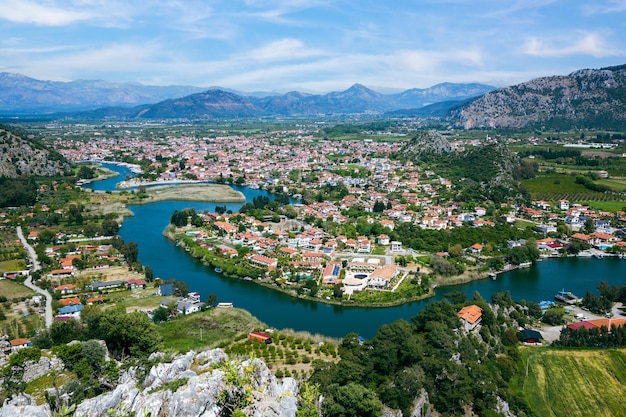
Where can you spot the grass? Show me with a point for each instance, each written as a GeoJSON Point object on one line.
{"type": "Point", "coordinates": [612, 206]}
{"type": "Point", "coordinates": [220, 327]}
{"type": "Point", "coordinates": [576, 383]}
{"type": "Point", "coordinates": [552, 183]}
{"type": "Point", "coordinates": [13, 291]}
{"type": "Point", "coordinates": [554, 187]}
{"type": "Point", "coordinates": [12, 265]}
{"type": "Point", "coordinates": [616, 184]}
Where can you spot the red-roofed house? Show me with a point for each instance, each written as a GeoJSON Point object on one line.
{"type": "Point", "coordinates": [471, 316]}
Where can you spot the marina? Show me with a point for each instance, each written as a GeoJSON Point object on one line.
{"type": "Point", "coordinates": [567, 297]}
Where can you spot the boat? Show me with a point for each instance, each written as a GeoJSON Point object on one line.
{"type": "Point", "coordinates": [566, 297]}
{"type": "Point", "coordinates": [218, 269]}
{"type": "Point", "coordinates": [493, 276]}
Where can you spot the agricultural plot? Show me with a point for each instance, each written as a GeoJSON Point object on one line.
{"type": "Point", "coordinates": [9, 249]}
{"type": "Point", "coordinates": [576, 383]}
{"type": "Point", "coordinates": [555, 187]}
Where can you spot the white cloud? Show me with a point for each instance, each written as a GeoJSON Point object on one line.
{"type": "Point", "coordinates": [284, 49]}
{"type": "Point", "coordinates": [591, 44]}
{"type": "Point", "coordinates": [612, 6]}
{"type": "Point", "coordinates": [25, 11]}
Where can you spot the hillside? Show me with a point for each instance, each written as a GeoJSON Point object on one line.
{"type": "Point", "coordinates": [589, 98]}
{"type": "Point", "coordinates": [22, 156]}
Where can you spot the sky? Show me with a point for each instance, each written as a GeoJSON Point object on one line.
{"type": "Point", "coordinates": [309, 45]}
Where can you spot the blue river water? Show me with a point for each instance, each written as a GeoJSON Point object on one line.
{"type": "Point", "coordinates": [278, 310]}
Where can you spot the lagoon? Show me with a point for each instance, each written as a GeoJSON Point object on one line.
{"type": "Point", "coordinates": [277, 310]}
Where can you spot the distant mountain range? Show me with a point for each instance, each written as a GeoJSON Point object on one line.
{"type": "Point", "coordinates": [589, 98]}
{"type": "Point", "coordinates": [23, 95]}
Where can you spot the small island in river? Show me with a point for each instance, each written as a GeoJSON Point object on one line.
{"type": "Point", "coordinates": [189, 192]}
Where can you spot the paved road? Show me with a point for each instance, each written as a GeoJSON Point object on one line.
{"type": "Point", "coordinates": [29, 281]}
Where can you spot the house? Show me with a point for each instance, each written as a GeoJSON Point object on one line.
{"type": "Point", "coordinates": [262, 260]}
{"type": "Point", "coordinates": [476, 248]}
{"type": "Point", "coordinates": [471, 316]}
{"type": "Point", "coordinates": [108, 285]}
{"type": "Point", "coordinates": [66, 289]}
{"type": "Point", "coordinates": [260, 337]}
{"type": "Point", "coordinates": [69, 301]}
{"type": "Point", "coordinates": [72, 311]}
{"type": "Point", "coordinates": [331, 273]}
{"type": "Point", "coordinates": [564, 205]}
{"type": "Point", "coordinates": [396, 246]}
{"type": "Point", "coordinates": [136, 284]}
{"type": "Point", "coordinates": [383, 239]}
{"type": "Point", "coordinates": [381, 277]}
{"type": "Point", "coordinates": [188, 307]}
{"type": "Point", "coordinates": [166, 289]}
{"type": "Point", "coordinates": [17, 344]}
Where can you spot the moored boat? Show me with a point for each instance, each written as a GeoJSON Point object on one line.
{"type": "Point", "coordinates": [566, 297]}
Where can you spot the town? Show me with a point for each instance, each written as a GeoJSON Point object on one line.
{"type": "Point", "coordinates": [370, 220]}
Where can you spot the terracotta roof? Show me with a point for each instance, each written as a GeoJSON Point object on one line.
{"type": "Point", "coordinates": [19, 342]}
{"type": "Point", "coordinates": [470, 314]}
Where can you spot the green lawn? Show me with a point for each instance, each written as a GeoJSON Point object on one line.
{"type": "Point", "coordinates": [576, 383]}
{"type": "Point", "coordinates": [12, 290]}
{"type": "Point", "coordinates": [220, 326]}
{"type": "Point", "coordinates": [12, 265]}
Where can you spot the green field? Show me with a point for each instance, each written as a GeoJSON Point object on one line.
{"type": "Point", "coordinates": [576, 383]}
{"type": "Point", "coordinates": [13, 291]}
{"type": "Point", "coordinates": [220, 326]}
{"type": "Point", "coordinates": [555, 187]}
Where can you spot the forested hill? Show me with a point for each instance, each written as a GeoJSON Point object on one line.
{"type": "Point", "coordinates": [23, 156]}
{"type": "Point", "coordinates": [487, 173]}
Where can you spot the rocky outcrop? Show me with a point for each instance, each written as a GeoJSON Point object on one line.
{"type": "Point", "coordinates": [202, 384]}
{"type": "Point", "coordinates": [426, 143]}
{"type": "Point", "coordinates": [585, 99]}
{"type": "Point", "coordinates": [24, 405]}
{"type": "Point", "coordinates": [44, 366]}
{"type": "Point", "coordinates": [21, 156]}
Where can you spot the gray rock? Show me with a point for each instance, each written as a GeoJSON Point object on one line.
{"type": "Point", "coordinates": [24, 405]}
{"type": "Point", "coordinates": [166, 372]}
{"type": "Point", "coordinates": [45, 365]}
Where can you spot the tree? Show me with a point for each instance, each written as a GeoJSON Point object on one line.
{"type": "Point", "coordinates": [125, 334]}
{"type": "Point", "coordinates": [553, 317]}
{"type": "Point", "coordinates": [352, 400]}
{"type": "Point", "coordinates": [149, 273]}
{"type": "Point", "coordinates": [455, 251]}
{"type": "Point", "coordinates": [13, 375]}
{"type": "Point", "coordinates": [160, 315]}
{"type": "Point", "coordinates": [211, 300]}
{"type": "Point", "coordinates": [109, 227]}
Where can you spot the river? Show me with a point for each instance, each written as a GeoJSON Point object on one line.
{"type": "Point", "coordinates": [278, 310]}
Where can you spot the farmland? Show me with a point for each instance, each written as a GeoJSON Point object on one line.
{"type": "Point", "coordinates": [554, 187]}
{"type": "Point", "coordinates": [576, 383]}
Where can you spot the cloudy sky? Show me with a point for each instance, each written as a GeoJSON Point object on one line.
{"type": "Point", "coordinates": [309, 45]}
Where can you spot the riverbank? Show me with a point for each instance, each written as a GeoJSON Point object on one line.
{"type": "Point", "coordinates": [138, 182]}
{"type": "Point", "coordinates": [189, 192]}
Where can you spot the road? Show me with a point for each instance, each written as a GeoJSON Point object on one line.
{"type": "Point", "coordinates": [29, 281]}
